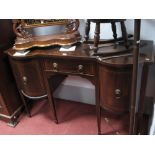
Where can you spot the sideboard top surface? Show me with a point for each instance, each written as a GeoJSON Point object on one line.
{"type": "Point", "coordinates": [84, 52]}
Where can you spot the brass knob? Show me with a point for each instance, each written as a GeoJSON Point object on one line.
{"type": "Point", "coordinates": [55, 66]}
{"type": "Point", "coordinates": [25, 80]}
{"type": "Point", "coordinates": [80, 68]}
{"type": "Point", "coordinates": [118, 93]}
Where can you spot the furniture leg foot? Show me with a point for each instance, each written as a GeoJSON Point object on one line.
{"type": "Point", "coordinates": [99, 133]}
{"type": "Point", "coordinates": [30, 115]}
{"type": "Point", "coordinates": [56, 121]}
{"type": "Point", "coordinates": [12, 123]}
{"type": "Point", "coordinates": [99, 120]}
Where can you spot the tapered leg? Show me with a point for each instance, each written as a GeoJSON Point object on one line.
{"type": "Point", "coordinates": [98, 108]}
{"type": "Point", "coordinates": [142, 98]}
{"type": "Point", "coordinates": [50, 98]}
{"type": "Point", "coordinates": [98, 119]}
{"type": "Point", "coordinates": [25, 104]}
{"type": "Point", "coordinates": [133, 105]}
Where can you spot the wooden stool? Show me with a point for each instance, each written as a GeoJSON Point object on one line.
{"type": "Point", "coordinates": [113, 26]}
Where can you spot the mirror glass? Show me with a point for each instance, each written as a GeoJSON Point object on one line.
{"type": "Point", "coordinates": [38, 27]}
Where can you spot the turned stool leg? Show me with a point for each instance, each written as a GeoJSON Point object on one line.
{"type": "Point", "coordinates": [124, 34]}
{"type": "Point", "coordinates": [87, 29]}
{"type": "Point", "coordinates": [113, 26]}
{"type": "Point", "coordinates": [96, 37]}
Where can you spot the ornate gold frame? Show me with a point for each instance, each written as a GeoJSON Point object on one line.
{"type": "Point", "coordinates": [25, 40]}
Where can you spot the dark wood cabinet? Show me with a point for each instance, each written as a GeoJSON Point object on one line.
{"type": "Point", "coordinates": [42, 70]}
{"type": "Point", "coordinates": [10, 102]}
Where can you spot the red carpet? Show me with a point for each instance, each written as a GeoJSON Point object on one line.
{"type": "Point", "coordinates": [74, 119]}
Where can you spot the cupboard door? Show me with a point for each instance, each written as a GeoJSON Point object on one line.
{"type": "Point", "coordinates": [29, 77]}
{"type": "Point", "coordinates": [115, 87]}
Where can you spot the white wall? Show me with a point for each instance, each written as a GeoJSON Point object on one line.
{"type": "Point", "coordinates": [148, 33]}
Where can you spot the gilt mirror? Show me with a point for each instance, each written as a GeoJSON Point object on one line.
{"type": "Point", "coordinates": [45, 32]}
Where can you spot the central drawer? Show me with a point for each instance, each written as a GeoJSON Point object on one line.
{"type": "Point", "coordinates": [70, 66]}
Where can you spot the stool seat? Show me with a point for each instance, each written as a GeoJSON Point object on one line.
{"type": "Point", "coordinates": [106, 20]}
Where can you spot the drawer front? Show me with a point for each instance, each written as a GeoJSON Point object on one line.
{"type": "Point", "coordinates": [29, 77]}
{"type": "Point", "coordinates": [70, 66]}
{"type": "Point", "coordinates": [115, 87]}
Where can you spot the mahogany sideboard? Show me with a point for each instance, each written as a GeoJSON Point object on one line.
{"type": "Point", "coordinates": [10, 102]}
{"type": "Point", "coordinates": [39, 73]}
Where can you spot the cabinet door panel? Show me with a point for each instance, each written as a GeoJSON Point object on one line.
{"type": "Point", "coordinates": [115, 86]}
{"type": "Point", "coordinates": [29, 77]}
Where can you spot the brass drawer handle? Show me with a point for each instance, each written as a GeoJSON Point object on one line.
{"type": "Point", "coordinates": [55, 66]}
{"type": "Point", "coordinates": [80, 68]}
{"type": "Point", "coordinates": [24, 80]}
{"type": "Point", "coordinates": [118, 93]}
